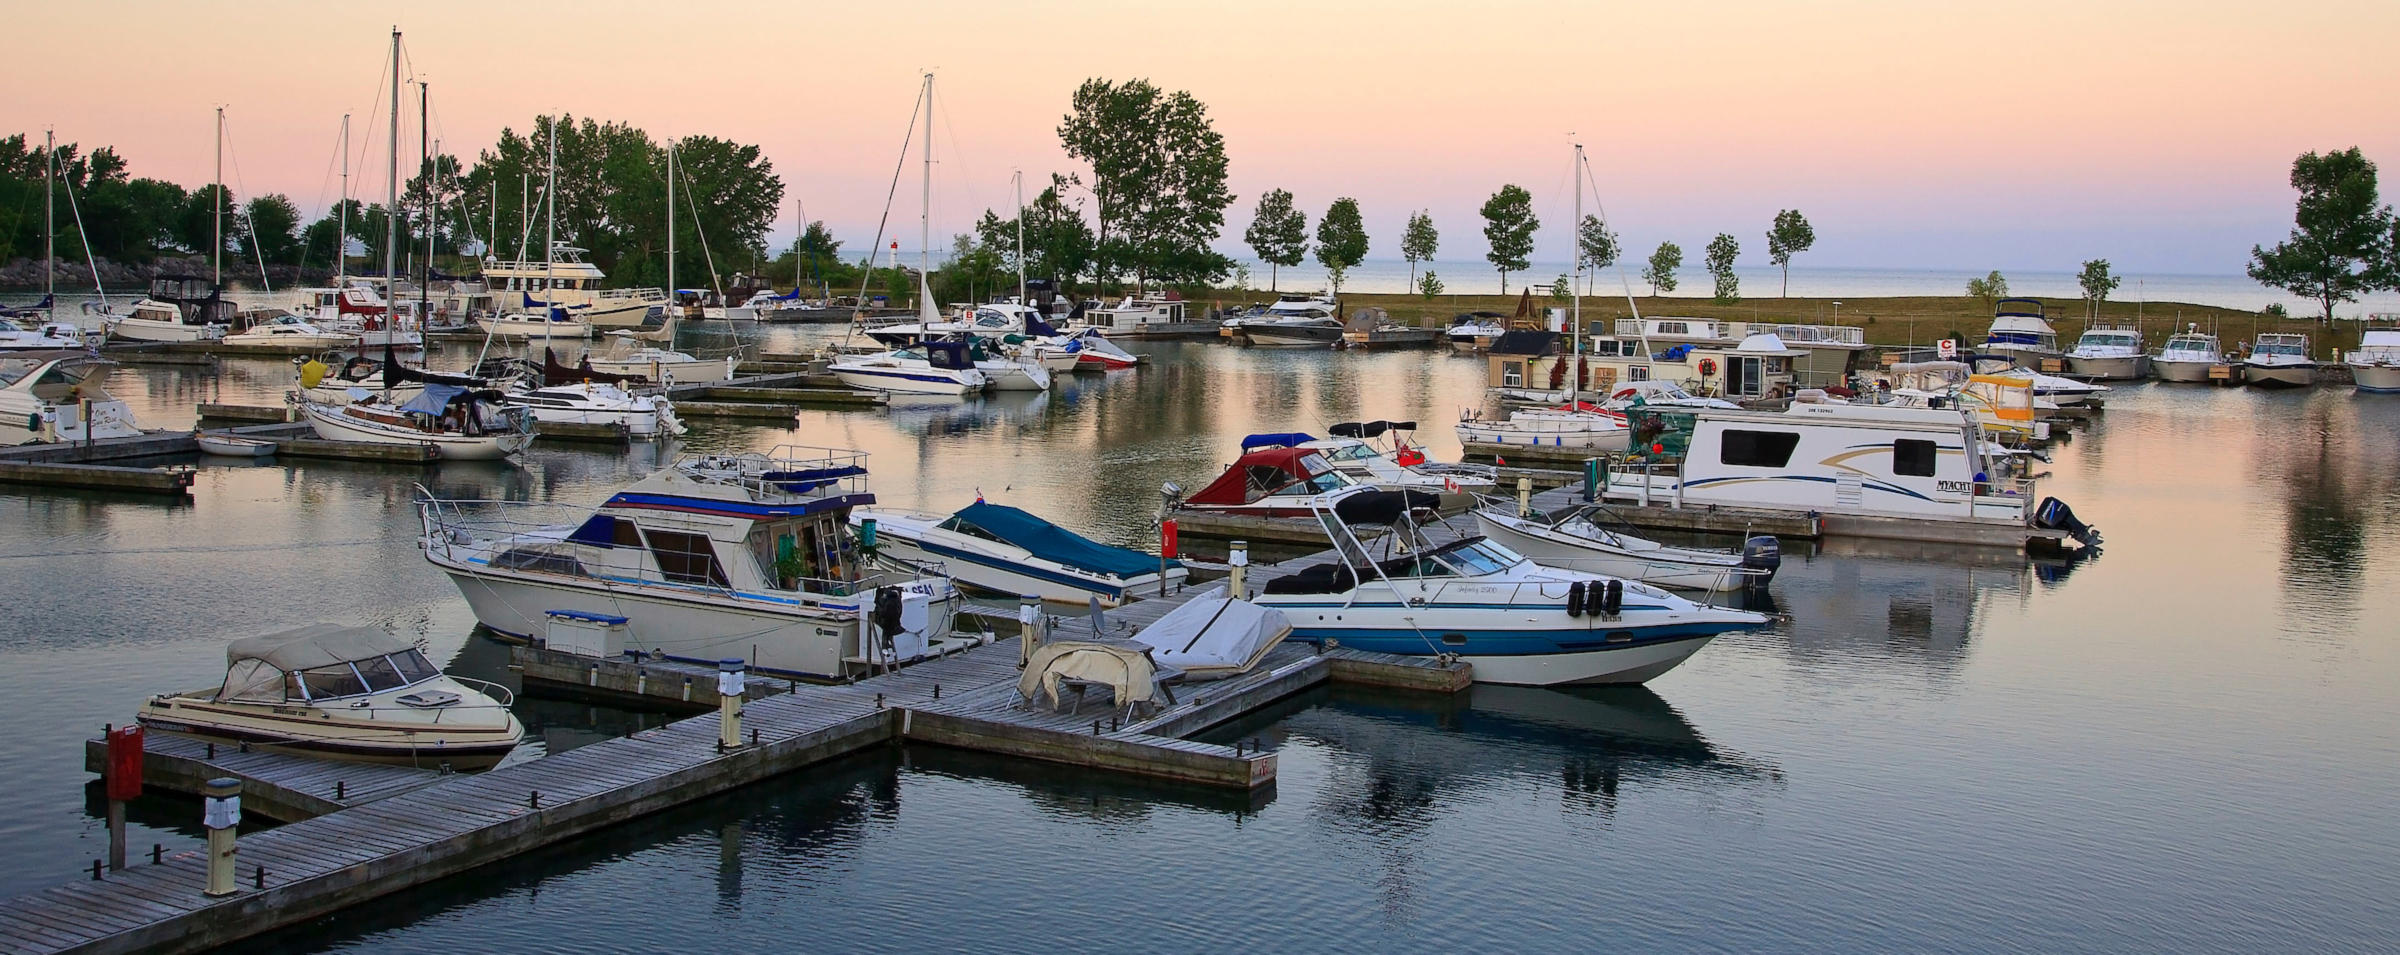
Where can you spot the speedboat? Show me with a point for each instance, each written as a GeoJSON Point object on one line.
{"type": "Point", "coordinates": [552, 322]}
{"type": "Point", "coordinates": [51, 400]}
{"type": "Point", "coordinates": [1578, 539]}
{"type": "Point", "coordinates": [2187, 356]}
{"type": "Point", "coordinates": [599, 402]}
{"type": "Point", "coordinates": [2106, 352]}
{"type": "Point", "coordinates": [346, 693]}
{"type": "Point", "coordinates": [2375, 363]}
{"type": "Point", "coordinates": [1294, 332]}
{"type": "Point", "coordinates": [1516, 621]}
{"type": "Point", "coordinates": [463, 424]}
{"type": "Point", "coordinates": [928, 368]}
{"type": "Point", "coordinates": [2280, 360]}
{"type": "Point", "coordinates": [713, 557]}
{"type": "Point", "coordinates": [1579, 425]}
{"type": "Point", "coordinates": [291, 331]}
{"type": "Point", "coordinates": [1277, 482]}
{"type": "Point", "coordinates": [1007, 551]}
{"type": "Point", "coordinates": [1475, 331]}
{"type": "Point", "coordinates": [2021, 332]}
{"type": "Point", "coordinates": [28, 333]}
{"type": "Point", "coordinates": [1399, 468]}
{"type": "Point", "coordinates": [1094, 352]}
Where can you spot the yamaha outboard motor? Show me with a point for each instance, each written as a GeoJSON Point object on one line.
{"type": "Point", "coordinates": [2054, 514]}
{"type": "Point", "coordinates": [1764, 554]}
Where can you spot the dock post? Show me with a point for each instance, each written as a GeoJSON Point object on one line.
{"type": "Point", "coordinates": [1525, 496]}
{"type": "Point", "coordinates": [1029, 627]}
{"type": "Point", "coordinates": [1237, 557]}
{"type": "Point", "coordinates": [222, 798]}
{"type": "Point", "coordinates": [729, 703]}
{"type": "Point", "coordinates": [123, 775]}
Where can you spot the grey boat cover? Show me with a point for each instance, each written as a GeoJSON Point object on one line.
{"type": "Point", "coordinates": [316, 645]}
{"type": "Point", "coordinates": [1213, 636]}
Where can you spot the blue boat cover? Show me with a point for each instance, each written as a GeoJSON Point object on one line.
{"type": "Point", "coordinates": [433, 399]}
{"type": "Point", "coordinates": [1051, 542]}
{"type": "Point", "coordinates": [1275, 440]}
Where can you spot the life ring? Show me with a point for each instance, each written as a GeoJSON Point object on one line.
{"type": "Point", "coordinates": [1708, 366]}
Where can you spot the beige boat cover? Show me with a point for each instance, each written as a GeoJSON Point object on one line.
{"type": "Point", "coordinates": [316, 645]}
{"type": "Point", "coordinates": [1125, 670]}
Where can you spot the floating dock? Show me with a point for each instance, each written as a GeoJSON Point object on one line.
{"type": "Point", "coordinates": [279, 786]}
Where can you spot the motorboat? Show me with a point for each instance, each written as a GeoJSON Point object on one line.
{"type": "Point", "coordinates": [2108, 352]}
{"type": "Point", "coordinates": [1583, 538]}
{"type": "Point", "coordinates": [30, 333]}
{"type": "Point", "coordinates": [179, 308]}
{"type": "Point", "coordinates": [358, 308]}
{"type": "Point", "coordinates": [346, 693]}
{"type": "Point", "coordinates": [54, 399]}
{"type": "Point", "coordinates": [460, 423]}
{"type": "Point", "coordinates": [927, 368]}
{"type": "Point", "coordinates": [1094, 352]}
{"type": "Point", "coordinates": [991, 321]}
{"type": "Point", "coordinates": [1475, 331]}
{"type": "Point", "coordinates": [1294, 332]}
{"type": "Point", "coordinates": [1401, 467]}
{"type": "Point", "coordinates": [565, 280]}
{"type": "Point", "coordinates": [552, 322]}
{"type": "Point", "coordinates": [2021, 332]}
{"type": "Point", "coordinates": [1657, 392]}
{"type": "Point", "coordinates": [715, 556]}
{"type": "Point", "coordinates": [1007, 551]}
{"type": "Point", "coordinates": [2375, 363]}
{"type": "Point", "coordinates": [1515, 620]}
{"type": "Point", "coordinates": [226, 445]}
{"type": "Point", "coordinates": [1151, 315]}
{"type": "Point", "coordinates": [1577, 425]}
{"type": "Point", "coordinates": [286, 330]}
{"type": "Point", "coordinates": [1276, 482]}
{"type": "Point", "coordinates": [651, 356]}
{"type": "Point", "coordinates": [2187, 356]}
{"type": "Point", "coordinates": [2279, 360]}
{"type": "Point", "coordinates": [598, 402]}
{"type": "Point", "coordinates": [1008, 373]}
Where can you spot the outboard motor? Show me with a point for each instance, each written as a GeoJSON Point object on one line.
{"type": "Point", "coordinates": [1764, 554]}
{"type": "Point", "coordinates": [2053, 514]}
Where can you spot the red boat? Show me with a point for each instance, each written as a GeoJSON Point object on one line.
{"type": "Point", "coordinates": [1281, 482]}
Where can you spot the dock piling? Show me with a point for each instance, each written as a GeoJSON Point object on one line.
{"type": "Point", "coordinates": [158, 852]}
{"type": "Point", "coordinates": [729, 702]}
{"type": "Point", "coordinates": [1237, 556]}
{"type": "Point", "coordinates": [95, 870]}
{"type": "Point", "coordinates": [221, 812]}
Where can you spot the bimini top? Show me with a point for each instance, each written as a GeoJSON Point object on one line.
{"type": "Point", "coordinates": [1277, 439]}
{"type": "Point", "coordinates": [1369, 429]}
{"type": "Point", "coordinates": [316, 645]}
{"type": "Point", "coordinates": [1261, 473]}
{"type": "Point", "coordinates": [1051, 542]}
{"type": "Point", "coordinates": [2018, 307]}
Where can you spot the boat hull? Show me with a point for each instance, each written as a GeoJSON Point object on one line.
{"type": "Point", "coordinates": [1635, 662]}
{"type": "Point", "coordinates": [2109, 369]}
{"type": "Point", "coordinates": [2379, 379]}
{"type": "Point", "coordinates": [464, 757]}
{"type": "Point", "coordinates": [1497, 432]}
{"type": "Point", "coordinates": [2185, 371]}
{"type": "Point", "coordinates": [2280, 376]}
{"type": "Point", "coordinates": [333, 426]}
{"type": "Point", "coordinates": [511, 328]}
{"type": "Point", "coordinates": [138, 330]}
{"type": "Point", "coordinates": [1551, 549]}
{"type": "Point", "coordinates": [906, 381]}
{"type": "Point", "coordinates": [233, 447]}
{"type": "Point", "coordinates": [1053, 583]}
{"type": "Point", "coordinates": [802, 644]}
{"type": "Point", "coordinates": [662, 371]}
{"type": "Point", "coordinates": [1274, 336]}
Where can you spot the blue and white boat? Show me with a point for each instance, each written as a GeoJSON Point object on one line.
{"type": "Point", "coordinates": [927, 368]}
{"type": "Point", "coordinates": [1005, 550]}
{"type": "Point", "coordinates": [1517, 621]}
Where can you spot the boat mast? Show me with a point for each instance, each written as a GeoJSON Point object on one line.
{"type": "Point", "coordinates": [674, 299]}
{"type": "Point", "coordinates": [550, 238]}
{"type": "Point", "coordinates": [925, 309]}
{"type": "Point", "coordinates": [341, 237]}
{"type": "Point", "coordinates": [425, 207]}
{"type": "Point", "coordinates": [391, 200]}
{"type": "Point", "coordinates": [1575, 248]}
{"type": "Point", "coordinates": [217, 208]}
{"type": "Point", "coordinates": [50, 221]}
{"type": "Point", "coordinates": [1020, 238]}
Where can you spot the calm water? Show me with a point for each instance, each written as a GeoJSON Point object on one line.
{"type": "Point", "coordinates": [2185, 745]}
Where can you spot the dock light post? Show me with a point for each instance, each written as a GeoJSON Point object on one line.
{"type": "Point", "coordinates": [1237, 557]}
{"type": "Point", "coordinates": [1029, 627]}
{"type": "Point", "coordinates": [1525, 496]}
{"type": "Point", "coordinates": [729, 703]}
{"type": "Point", "coordinates": [221, 811]}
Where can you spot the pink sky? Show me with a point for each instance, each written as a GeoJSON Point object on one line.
{"type": "Point", "coordinates": [1935, 135]}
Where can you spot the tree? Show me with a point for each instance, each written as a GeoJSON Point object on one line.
{"type": "Point", "coordinates": [1721, 253]}
{"type": "Point", "coordinates": [1508, 225]}
{"type": "Point", "coordinates": [1058, 242]}
{"type": "Point", "coordinates": [1429, 285]}
{"type": "Point", "coordinates": [317, 242]}
{"type": "Point", "coordinates": [1158, 173]}
{"type": "Point", "coordinates": [2097, 283]}
{"type": "Point", "coordinates": [2342, 241]}
{"type": "Point", "coordinates": [1562, 289]}
{"type": "Point", "coordinates": [200, 225]}
{"type": "Point", "coordinates": [1790, 236]}
{"type": "Point", "coordinates": [1419, 242]}
{"type": "Point", "coordinates": [1990, 288]}
{"type": "Point", "coordinates": [1278, 234]}
{"type": "Point", "coordinates": [1660, 272]}
{"type": "Point", "coordinates": [1341, 240]}
{"type": "Point", "coordinates": [270, 230]}
{"type": "Point", "coordinates": [1597, 245]}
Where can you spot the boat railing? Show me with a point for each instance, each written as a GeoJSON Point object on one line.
{"type": "Point", "coordinates": [499, 694]}
{"type": "Point", "coordinates": [1808, 334]}
{"type": "Point", "coordinates": [790, 469]}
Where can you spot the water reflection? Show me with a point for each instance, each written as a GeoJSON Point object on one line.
{"type": "Point", "coordinates": [1899, 602]}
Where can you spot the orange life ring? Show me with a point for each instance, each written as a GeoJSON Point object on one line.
{"type": "Point", "coordinates": [1708, 366]}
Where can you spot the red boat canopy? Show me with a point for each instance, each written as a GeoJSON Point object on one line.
{"type": "Point", "coordinates": [1261, 473]}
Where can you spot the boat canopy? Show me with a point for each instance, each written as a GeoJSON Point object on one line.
{"type": "Point", "coordinates": [1278, 439]}
{"type": "Point", "coordinates": [1369, 429]}
{"type": "Point", "coordinates": [433, 399]}
{"type": "Point", "coordinates": [1051, 542]}
{"type": "Point", "coordinates": [320, 661]}
{"type": "Point", "coordinates": [316, 645]}
{"type": "Point", "coordinates": [1261, 473]}
{"type": "Point", "coordinates": [1214, 636]}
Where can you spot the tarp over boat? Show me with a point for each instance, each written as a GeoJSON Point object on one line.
{"type": "Point", "coordinates": [1051, 542]}
{"type": "Point", "coordinates": [1214, 636]}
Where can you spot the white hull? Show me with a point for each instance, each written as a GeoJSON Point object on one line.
{"type": "Point", "coordinates": [325, 341]}
{"type": "Point", "coordinates": [639, 424]}
{"type": "Point", "coordinates": [532, 329]}
{"type": "Point", "coordinates": [2192, 371]}
{"type": "Point", "coordinates": [332, 425]}
{"type": "Point", "coordinates": [908, 381]}
{"type": "Point", "coordinates": [661, 371]}
{"type": "Point", "coordinates": [2376, 378]}
{"type": "Point", "coordinates": [2280, 376]}
{"type": "Point", "coordinates": [142, 330]}
{"type": "Point", "coordinates": [1665, 568]}
{"type": "Point", "coordinates": [2111, 368]}
{"type": "Point", "coordinates": [1597, 667]}
{"type": "Point", "coordinates": [233, 447]}
{"type": "Point", "coordinates": [1499, 432]}
{"type": "Point", "coordinates": [618, 314]}
{"type": "Point", "coordinates": [398, 338]}
{"type": "Point", "coordinates": [1016, 376]}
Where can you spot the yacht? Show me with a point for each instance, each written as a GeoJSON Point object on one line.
{"type": "Point", "coordinates": [53, 400]}
{"type": "Point", "coordinates": [1296, 311]}
{"type": "Point", "coordinates": [1007, 551]}
{"type": "Point", "coordinates": [1294, 332]}
{"type": "Point", "coordinates": [1578, 425]}
{"type": "Point", "coordinates": [2280, 360]}
{"type": "Point", "coordinates": [287, 330]}
{"type": "Point", "coordinates": [1516, 621]}
{"type": "Point", "coordinates": [717, 556]}
{"type": "Point", "coordinates": [2108, 352]}
{"type": "Point", "coordinates": [2375, 363]}
{"type": "Point", "coordinates": [2187, 356]}
{"type": "Point", "coordinates": [345, 693]}
{"type": "Point", "coordinates": [599, 402]}
{"type": "Point", "coordinates": [1476, 331]}
{"type": "Point", "coordinates": [2021, 332]}
{"type": "Point", "coordinates": [461, 423]}
{"type": "Point", "coordinates": [1582, 538]}
{"type": "Point", "coordinates": [1277, 482]}
{"type": "Point", "coordinates": [928, 368]}
{"type": "Point", "coordinates": [569, 281]}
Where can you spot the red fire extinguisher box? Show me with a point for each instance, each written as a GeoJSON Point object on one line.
{"type": "Point", "coordinates": [125, 763]}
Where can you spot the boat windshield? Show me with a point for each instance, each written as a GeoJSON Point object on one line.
{"type": "Point", "coordinates": [2192, 343]}
{"type": "Point", "coordinates": [1476, 558]}
{"type": "Point", "coordinates": [2107, 340]}
{"type": "Point", "coordinates": [371, 675]}
{"type": "Point", "coordinates": [1349, 452]}
{"type": "Point", "coordinates": [2268, 346]}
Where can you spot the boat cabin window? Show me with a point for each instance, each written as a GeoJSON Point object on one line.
{"type": "Point", "coordinates": [325, 683]}
{"type": "Point", "coordinates": [538, 558]}
{"type": "Point", "coordinates": [686, 558]}
{"type": "Point", "coordinates": [380, 674]}
{"type": "Point", "coordinates": [414, 667]}
{"type": "Point", "coordinates": [1912, 457]}
{"type": "Point", "coordinates": [1757, 449]}
{"type": "Point", "coordinates": [1476, 558]}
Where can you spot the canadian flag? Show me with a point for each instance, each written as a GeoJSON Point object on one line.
{"type": "Point", "coordinates": [1450, 485]}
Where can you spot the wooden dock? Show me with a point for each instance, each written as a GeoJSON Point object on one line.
{"type": "Point", "coordinates": [280, 786]}
{"type": "Point", "coordinates": [251, 414]}
{"type": "Point", "coordinates": [75, 465]}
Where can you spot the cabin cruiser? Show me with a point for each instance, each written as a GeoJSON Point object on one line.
{"type": "Point", "coordinates": [460, 423]}
{"type": "Point", "coordinates": [34, 337]}
{"type": "Point", "coordinates": [346, 693]}
{"type": "Point", "coordinates": [566, 280]}
{"type": "Point", "coordinates": [359, 309]}
{"type": "Point", "coordinates": [599, 402]}
{"type": "Point", "coordinates": [1577, 425]}
{"type": "Point", "coordinates": [2280, 360]}
{"type": "Point", "coordinates": [717, 556]}
{"type": "Point", "coordinates": [2187, 356]}
{"type": "Point", "coordinates": [1293, 332]}
{"type": "Point", "coordinates": [927, 368]}
{"type": "Point", "coordinates": [1008, 551]}
{"type": "Point", "coordinates": [2375, 363]}
{"type": "Point", "coordinates": [179, 308]}
{"type": "Point", "coordinates": [53, 400]}
{"type": "Point", "coordinates": [2021, 332]}
{"type": "Point", "coordinates": [1475, 331]}
{"type": "Point", "coordinates": [2107, 352]}
{"type": "Point", "coordinates": [1582, 538]}
{"type": "Point", "coordinates": [1289, 308]}
{"type": "Point", "coordinates": [1517, 621]}
{"type": "Point", "coordinates": [651, 356]}
{"type": "Point", "coordinates": [286, 330]}
{"type": "Point", "coordinates": [550, 322]}
{"type": "Point", "coordinates": [991, 321]}
{"type": "Point", "coordinates": [1153, 315]}
{"type": "Point", "coordinates": [1277, 482]}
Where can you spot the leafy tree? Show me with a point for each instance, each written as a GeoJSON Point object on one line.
{"type": "Point", "coordinates": [2343, 236]}
{"type": "Point", "coordinates": [1278, 234]}
{"type": "Point", "coordinates": [317, 241]}
{"type": "Point", "coordinates": [1508, 225]}
{"type": "Point", "coordinates": [2097, 283]}
{"type": "Point", "coordinates": [1341, 240]}
{"type": "Point", "coordinates": [270, 230]}
{"type": "Point", "coordinates": [1596, 244]}
{"type": "Point", "coordinates": [1790, 236]}
{"type": "Point", "coordinates": [1419, 242]}
{"type": "Point", "coordinates": [1562, 289]}
{"type": "Point", "coordinates": [974, 270]}
{"type": "Point", "coordinates": [1429, 285]}
{"type": "Point", "coordinates": [1990, 288]}
{"type": "Point", "coordinates": [1721, 253]}
{"type": "Point", "coordinates": [1158, 175]}
{"type": "Point", "coordinates": [1660, 272]}
{"type": "Point", "coordinates": [1057, 239]}
{"type": "Point", "coordinates": [199, 225]}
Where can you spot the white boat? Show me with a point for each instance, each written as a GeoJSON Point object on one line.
{"type": "Point", "coordinates": [594, 402]}
{"type": "Point", "coordinates": [2375, 363]}
{"type": "Point", "coordinates": [664, 366]}
{"type": "Point", "coordinates": [2187, 356]}
{"type": "Point", "coordinates": [1094, 352]}
{"type": "Point", "coordinates": [1288, 308]}
{"type": "Point", "coordinates": [346, 693]}
{"type": "Point", "coordinates": [990, 321]}
{"type": "Point", "coordinates": [1276, 482]}
{"type": "Point", "coordinates": [1575, 426]}
{"type": "Point", "coordinates": [1007, 551]}
{"type": "Point", "coordinates": [1401, 467]}
{"type": "Point", "coordinates": [155, 321]}
{"type": "Point", "coordinates": [1516, 621]}
{"type": "Point", "coordinates": [53, 399]}
{"type": "Point", "coordinates": [2021, 332]}
{"type": "Point", "coordinates": [232, 445]}
{"type": "Point", "coordinates": [1007, 373]}
{"type": "Point", "coordinates": [552, 323]}
{"type": "Point", "coordinates": [357, 308]}
{"type": "Point", "coordinates": [1294, 332]}
{"type": "Point", "coordinates": [462, 424]}
{"type": "Point", "coordinates": [1580, 539]}
{"type": "Point", "coordinates": [2108, 352]}
{"type": "Point", "coordinates": [32, 333]}
{"type": "Point", "coordinates": [1475, 331]}
{"type": "Point", "coordinates": [291, 331]}
{"type": "Point", "coordinates": [717, 556]}
{"type": "Point", "coordinates": [2280, 360]}
{"type": "Point", "coordinates": [930, 368]}
{"type": "Point", "coordinates": [1152, 315]}
{"type": "Point", "coordinates": [566, 280]}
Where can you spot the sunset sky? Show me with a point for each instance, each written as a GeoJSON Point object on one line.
{"type": "Point", "coordinates": [2026, 135]}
